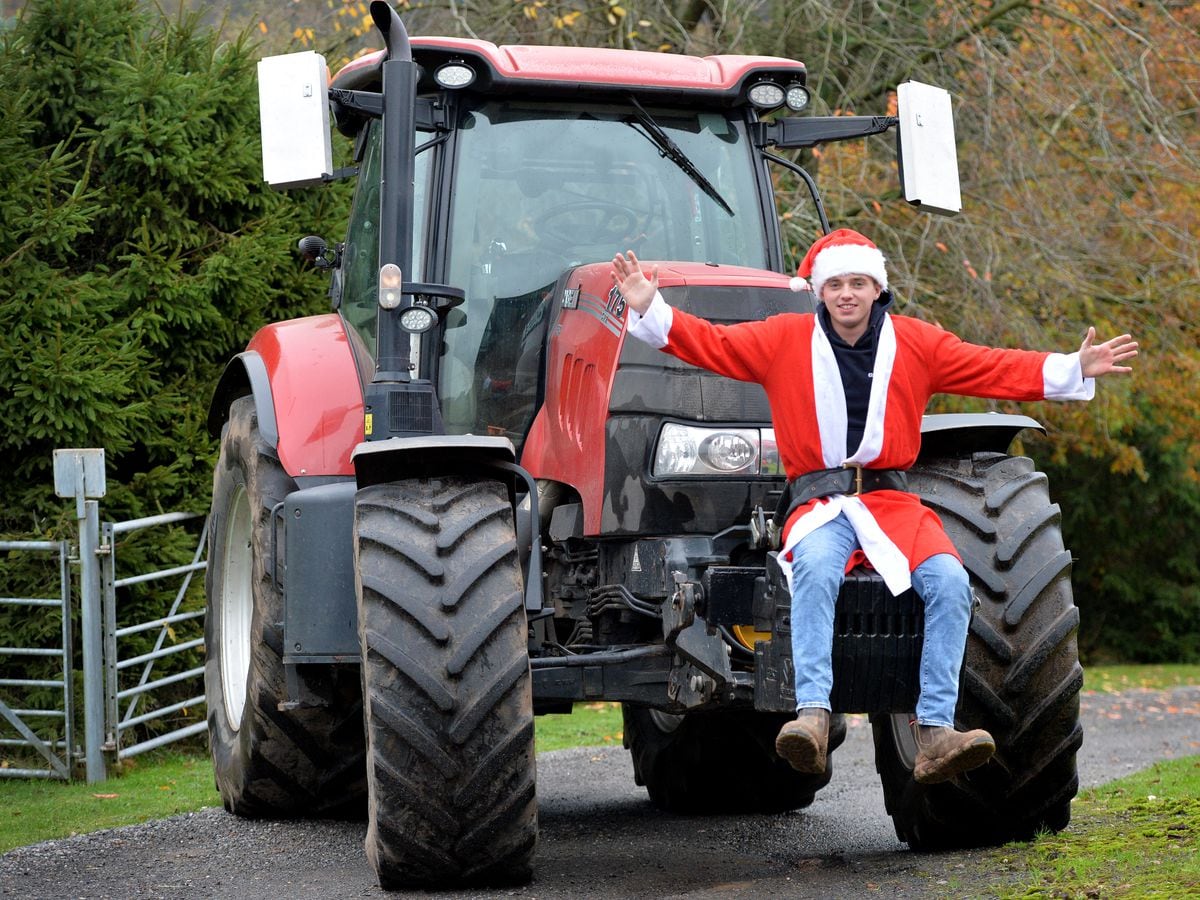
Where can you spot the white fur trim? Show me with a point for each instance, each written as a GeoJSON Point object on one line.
{"type": "Point", "coordinates": [881, 378]}
{"type": "Point", "coordinates": [830, 399]}
{"type": "Point", "coordinates": [848, 259]}
{"type": "Point", "coordinates": [655, 325]}
{"type": "Point", "coordinates": [1062, 378]}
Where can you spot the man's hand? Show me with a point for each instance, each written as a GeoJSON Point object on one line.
{"type": "Point", "coordinates": [1101, 359]}
{"type": "Point", "coordinates": [631, 281]}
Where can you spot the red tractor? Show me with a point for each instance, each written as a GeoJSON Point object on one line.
{"type": "Point", "coordinates": [464, 498]}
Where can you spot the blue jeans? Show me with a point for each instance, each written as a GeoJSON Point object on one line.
{"type": "Point", "coordinates": [818, 566]}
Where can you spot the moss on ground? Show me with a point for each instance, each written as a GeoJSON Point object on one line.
{"type": "Point", "coordinates": [1137, 837]}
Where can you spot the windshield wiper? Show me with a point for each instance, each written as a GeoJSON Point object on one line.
{"type": "Point", "coordinates": [672, 151]}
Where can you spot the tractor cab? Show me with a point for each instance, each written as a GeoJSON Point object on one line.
{"type": "Point", "coordinates": [512, 194]}
{"type": "Point", "coordinates": [512, 191]}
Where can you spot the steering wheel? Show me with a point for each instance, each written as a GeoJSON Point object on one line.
{"type": "Point", "coordinates": [587, 222]}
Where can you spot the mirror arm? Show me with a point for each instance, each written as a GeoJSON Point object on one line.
{"type": "Point", "coordinates": [808, 132]}
{"type": "Point", "coordinates": [365, 102]}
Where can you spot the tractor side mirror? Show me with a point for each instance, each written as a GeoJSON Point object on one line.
{"type": "Point", "coordinates": [293, 100]}
{"type": "Point", "coordinates": [928, 158]}
{"type": "Point", "coordinates": [315, 249]}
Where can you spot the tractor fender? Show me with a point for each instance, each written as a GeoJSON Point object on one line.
{"type": "Point", "coordinates": [463, 455]}
{"type": "Point", "coordinates": [307, 394]}
{"type": "Point", "coordinates": [962, 434]}
{"type": "Point", "coordinates": [245, 374]}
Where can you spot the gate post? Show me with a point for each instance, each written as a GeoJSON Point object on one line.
{"type": "Point", "coordinates": [79, 475]}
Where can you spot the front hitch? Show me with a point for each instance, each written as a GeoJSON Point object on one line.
{"type": "Point", "coordinates": [701, 670]}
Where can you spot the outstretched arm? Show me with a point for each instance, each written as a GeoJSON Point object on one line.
{"type": "Point", "coordinates": [1101, 359]}
{"type": "Point", "coordinates": [631, 281]}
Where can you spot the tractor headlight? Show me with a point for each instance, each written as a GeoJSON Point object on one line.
{"type": "Point", "coordinates": [766, 95]}
{"type": "Point", "coordinates": [769, 462]}
{"type": "Point", "coordinates": [729, 451]}
{"type": "Point", "coordinates": [797, 97]}
{"type": "Point", "coordinates": [417, 319]}
{"type": "Point", "coordinates": [691, 450]}
{"type": "Point", "coordinates": [454, 75]}
{"type": "Point", "coordinates": [677, 451]}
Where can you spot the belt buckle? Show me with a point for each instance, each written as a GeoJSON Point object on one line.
{"type": "Point", "coordinates": [858, 470]}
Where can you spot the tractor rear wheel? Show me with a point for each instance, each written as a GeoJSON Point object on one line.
{"type": "Point", "coordinates": [1021, 677]}
{"type": "Point", "coordinates": [449, 705]}
{"type": "Point", "coordinates": [270, 757]}
{"type": "Point", "coordinates": [719, 762]}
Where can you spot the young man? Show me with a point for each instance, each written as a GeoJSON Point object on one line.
{"type": "Point", "coordinates": [847, 387]}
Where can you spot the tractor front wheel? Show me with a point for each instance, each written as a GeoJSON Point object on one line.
{"type": "Point", "coordinates": [1021, 677]}
{"type": "Point", "coordinates": [449, 705]}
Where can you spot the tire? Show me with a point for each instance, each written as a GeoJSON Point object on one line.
{"type": "Point", "coordinates": [449, 705]}
{"type": "Point", "coordinates": [1021, 674]}
{"type": "Point", "coordinates": [719, 762]}
{"type": "Point", "coordinates": [269, 760]}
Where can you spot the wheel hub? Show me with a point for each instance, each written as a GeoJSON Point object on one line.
{"type": "Point", "coordinates": [236, 607]}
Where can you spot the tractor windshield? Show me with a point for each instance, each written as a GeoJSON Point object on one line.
{"type": "Point", "coordinates": [540, 189]}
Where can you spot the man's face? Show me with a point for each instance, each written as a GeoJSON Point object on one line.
{"type": "Point", "coordinates": [849, 299]}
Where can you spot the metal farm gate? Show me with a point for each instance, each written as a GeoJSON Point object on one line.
{"type": "Point", "coordinates": [140, 694]}
{"type": "Point", "coordinates": [122, 682]}
{"type": "Point", "coordinates": [43, 729]}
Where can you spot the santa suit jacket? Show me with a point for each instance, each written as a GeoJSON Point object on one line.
{"type": "Point", "coordinates": [791, 357]}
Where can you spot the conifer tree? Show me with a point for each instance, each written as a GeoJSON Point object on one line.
{"type": "Point", "coordinates": [139, 248]}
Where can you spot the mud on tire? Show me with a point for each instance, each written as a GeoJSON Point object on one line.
{"type": "Point", "coordinates": [719, 762]}
{"type": "Point", "coordinates": [447, 684]}
{"type": "Point", "coordinates": [301, 761]}
{"type": "Point", "coordinates": [1021, 677]}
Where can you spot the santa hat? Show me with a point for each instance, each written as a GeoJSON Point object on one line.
{"type": "Point", "coordinates": [842, 252]}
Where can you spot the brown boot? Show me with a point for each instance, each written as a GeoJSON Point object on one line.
{"type": "Point", "coordinates": [943, 752]}
{"type": "Point", "coordinates": [803, 742]}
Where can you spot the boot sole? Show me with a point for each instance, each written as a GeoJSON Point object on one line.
{"type": "Point", "coordinates": [801, 752]}
{"type": "Point", "coordinates": [946, 767]}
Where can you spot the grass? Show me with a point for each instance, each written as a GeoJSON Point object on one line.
{"type": "Point", "coordinates": [153, 786]}
{"type": "Point", "coordinates": [1136, 837]}
{"type": "Point", "coordinates": [1111, 679]}
{"type": "Point", "coordinates": [165, 783]}
{"type": "Point", "coordinates": [590, 725]}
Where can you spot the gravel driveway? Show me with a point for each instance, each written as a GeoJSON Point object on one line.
{"type": "Point", "coordinates": [600, 837]}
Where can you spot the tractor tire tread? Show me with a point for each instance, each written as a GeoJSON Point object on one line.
{"type": "Point", "coordinates": [448, 686]}
{"type": "Point", "coordinates": [280, 763]}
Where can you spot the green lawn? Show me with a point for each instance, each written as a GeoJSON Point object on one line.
{"type": "Point", "coordinates": [1110, 679]}
{"type": "Point", "coordinates": [590, 725]}
{"type": "Point", "coordinates": [153, 786]}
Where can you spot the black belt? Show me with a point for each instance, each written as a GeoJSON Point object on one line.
{"type": "Point", "coordinates": [849, 479]}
